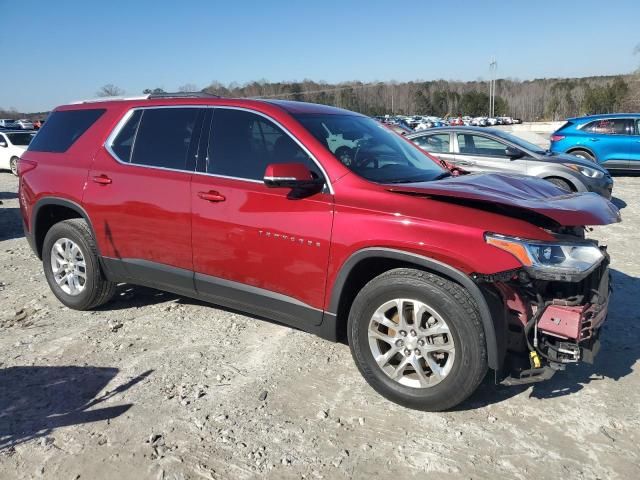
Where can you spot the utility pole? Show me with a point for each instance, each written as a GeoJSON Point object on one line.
{"type": "Point", "coordinates": [493, 67]}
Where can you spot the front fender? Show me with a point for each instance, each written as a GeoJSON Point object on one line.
{"type": "Point", "coordinates": [493, 326]}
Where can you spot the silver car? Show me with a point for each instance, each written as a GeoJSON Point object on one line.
{"type": "Point", "coordinates": [490, 150]}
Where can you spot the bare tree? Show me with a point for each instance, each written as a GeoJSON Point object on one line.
{"type": "Point", "coordinates": [188, 87]}
{"type": "Point", "coordinates": [109, 90]}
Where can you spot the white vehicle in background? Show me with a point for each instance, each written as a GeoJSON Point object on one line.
{"type": "Point", "coordinates": [480, 122]}
{"type": "Point", "coordinates": [492, 121]}
{"type": "Point", "coordinates": [7, 123]}
{"type": "Point", "coordinates": [12, 144]}
{"type": "Point", "coordinates": [25, 124]}
{"type": "Point", "coordinates": [506, 120]}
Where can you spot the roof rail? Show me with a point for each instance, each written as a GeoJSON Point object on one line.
{"type": "Point", "coordinates": [107, 99]}
{"type": "Point", "coordinates": [183, 95]}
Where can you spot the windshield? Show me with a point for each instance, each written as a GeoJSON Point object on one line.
{"type": "Point", "coordinates": [532, 147]}
{"type": "Point", "coordinates": [370, 149]}
{"type": "Point", "coordinates": [20, 138]}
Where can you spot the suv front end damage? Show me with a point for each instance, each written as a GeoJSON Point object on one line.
{"type": "Point", "coordinates": [553, 312]}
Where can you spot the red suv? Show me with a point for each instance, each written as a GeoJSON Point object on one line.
{"type": "Point", "coordinates": [324, 220]}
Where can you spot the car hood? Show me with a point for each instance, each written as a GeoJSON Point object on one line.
{"type": "Point", "coordinates": [518, 195]}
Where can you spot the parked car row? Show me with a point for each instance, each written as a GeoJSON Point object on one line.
{"type": "Point", "coordinates": [424, 122]}
{"type": "Point", "coordinates": [21, 124]}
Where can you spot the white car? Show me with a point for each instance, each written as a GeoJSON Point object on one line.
{"type": "Point", "coordinates": [25, 124]}
{"type": "Point", "coordinates": [12, 144]}
{"type": "Point", "coordinates": [7, 123]}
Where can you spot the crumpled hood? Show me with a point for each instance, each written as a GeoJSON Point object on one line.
{"type": "Point", "coordinates": [521, 193]}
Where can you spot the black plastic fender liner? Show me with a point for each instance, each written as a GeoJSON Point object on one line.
{"type": "Point", "coordinates": [495, 356]}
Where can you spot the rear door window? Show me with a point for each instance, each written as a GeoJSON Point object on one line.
{"type": "Point", "coordinates": [63, 128]}
{"type": "Point", "coordinates": [479, 145]}
{"type": "Point", "coordinates": [163, 138]}
{"type": "Point", "coordinates": [434, 143]}
{"type": "Point", "coordinates": [122, 145]}
{"type": "Point", "coordinates": [611, 126]}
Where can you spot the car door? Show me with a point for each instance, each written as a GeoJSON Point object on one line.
{"type": "Point", "coordinates": [256, 248]}
{"type": "Point", "coordinates": [437, 144]}
{"type": "Point", "coordinates": [613, 141]}
{"type": "Point", "coordinates": [138, 196]}
{"type": "Point", "coordinates": [480, 153]}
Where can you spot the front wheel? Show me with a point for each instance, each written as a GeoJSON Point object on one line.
{"type": "Point", "coordinates": [13, 165]}
{"type": "Point", "coordinates": [418, 339]}
{"type": "Point", "coordinates": [561, 183]}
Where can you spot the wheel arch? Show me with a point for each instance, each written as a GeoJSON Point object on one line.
{"type": "Point", "coordinates": [573, 184]}
{"type": "Point", "coordinates": [578, 148]}
{"type": "Point", "coordinates": [50, 210]}
{"type": "Point", "coordinates": [368, 263]}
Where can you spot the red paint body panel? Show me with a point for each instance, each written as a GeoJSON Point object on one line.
{"type": "Point", "coordinates": [144, 213]}
{"type": "Point", "coordinates": [259, 237]}
{"type": "Point", "coordinates": [246, 232]}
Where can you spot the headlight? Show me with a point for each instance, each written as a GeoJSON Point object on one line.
{"type": "Point", "coordinates": [550, 260]}
{"type": "Point", "coordinates": [586, 171]}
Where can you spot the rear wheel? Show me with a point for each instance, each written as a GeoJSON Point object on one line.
{"type": "Point", "coordinates": [583, 154]}
{"type": "Point", "coordinates": [13, 165]}
{"type": "Point", "coordinates": [70, 261]}
{"type": "Point", "coordinates": [418, 339]}
{"type": "Point", "coordinates": [561, 183]}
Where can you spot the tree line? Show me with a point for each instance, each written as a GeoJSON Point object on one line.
{"type": "Point", "coordinates": [530, 100]}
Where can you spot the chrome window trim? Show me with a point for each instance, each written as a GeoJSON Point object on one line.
{"type": "Point", "coordinates": [125, 118]}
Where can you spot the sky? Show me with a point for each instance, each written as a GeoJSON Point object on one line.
{"type": "Point", "coordinates": [54, 52]}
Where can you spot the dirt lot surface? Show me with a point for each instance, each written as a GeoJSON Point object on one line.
{"type": "Point", "coordinates": [156, 386]}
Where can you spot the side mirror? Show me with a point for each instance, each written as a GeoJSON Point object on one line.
{"type": "Point", "coordinates": [3, 144]}
{"type": "Point", "coordinates": [290, 175]}
{"type": "Point", "coordinates": [513, 153]}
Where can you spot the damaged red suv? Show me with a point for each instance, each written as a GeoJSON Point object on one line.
{"type": "Point", "coordinates": [324, 220]}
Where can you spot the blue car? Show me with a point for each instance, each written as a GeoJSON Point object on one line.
{"type": "Point", "coordinates": [611, 140]}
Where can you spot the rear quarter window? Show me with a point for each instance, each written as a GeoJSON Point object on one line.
{"type": "Point", "coordinates": [62, 129]}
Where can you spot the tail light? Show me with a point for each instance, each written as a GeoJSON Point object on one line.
{"type": "Point", "coordinates": [25, 165]}
{"type": "Point", "coordinates": [557, 138]}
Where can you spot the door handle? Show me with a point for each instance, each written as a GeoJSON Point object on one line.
{"type": "Point", "coordinates": [594, 139]}
{"type": "Point", "coordinates": [102, 180]}
{"type": "Point", "coordinates": [464, 162]}
{"type": "Point", "coordinates": [212, 196]}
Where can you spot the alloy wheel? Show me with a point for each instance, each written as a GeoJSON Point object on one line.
{"type": "Point", "coordinates": [411, 343]}
{"type": "Point", "coordinates": [68, 266]}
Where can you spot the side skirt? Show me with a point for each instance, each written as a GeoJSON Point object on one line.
{"type": "Point", "coordinates": [247, 299]}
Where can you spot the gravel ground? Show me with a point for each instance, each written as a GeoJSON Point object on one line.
{"type": "Point", "coordinates": [157, 386]}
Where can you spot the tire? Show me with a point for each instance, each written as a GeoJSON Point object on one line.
{"type": "Point", "coordinates": [583, 154]}
{"type": "Point", "coordinates": [13, 165]}
{"type": "Point", "coordinates": [83, 294]}
{"type": "Point", "coordinates": [561, 183]}
{"type": "Point", "coordinates": [449, 305]}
